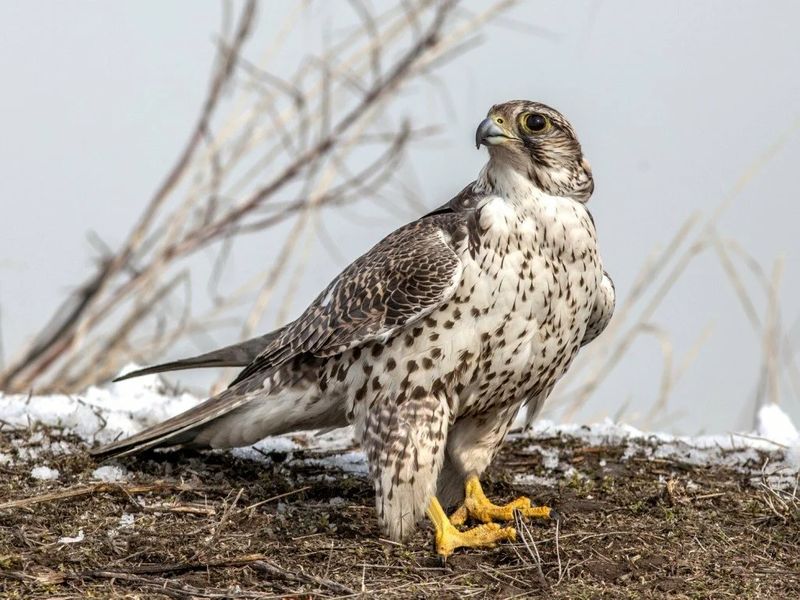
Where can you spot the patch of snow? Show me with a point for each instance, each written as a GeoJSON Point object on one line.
{"type": "Point", "coordinates": [536, 480]}
{"type": "Point", "coordinates": [573, 474]}
{"type": "Point", "coordinates": [103, 414]}
{"type": "Point", "coordinates": [772, 453]}
{"type": "Point", "coordinates": [609, 433]}
{"type": "Point", "coordinates": [260, 451]}
{"type": "Point", "coordinates": [775, 425]}
{"type": "Point", "coordinates": [72, 540]}
{"type": "Point", "coordinates": [336, 440]}
{"type": "Point", "coordinates": [606, 432]}
{"type": "Point", "coordinates": [126, 521]}
{"type": "Point", "coordinates": [550, 456]}
{"type": "Point", "coordinates": [632, 450]}
{"type": "Point", "coordinates": [44, 473]}
{"type": "Point", "coordinates": [793, 457]}
{"type": "Point", "coordinates": [109, 474]}
{"type": "Point", "coordinates": [30, 448]}
{"type": "Point", "coordinates": [350, 462]}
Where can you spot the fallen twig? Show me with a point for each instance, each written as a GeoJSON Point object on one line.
{"type": "Point", "coordinates": [299, 576]}
{"type": "Point", "coordinates": [97, 488]}
{"type": "Point", "coordinates": [138, 574]}
{"type": "Point", "coordinates": [278, 497]}
{"type": "Point", "coordinates": [224, 519]}
{"type": "Point", "coordinates": [190, 509]}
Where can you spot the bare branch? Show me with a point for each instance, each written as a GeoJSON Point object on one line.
{"type": "Point", "coordinates": [278, 153]}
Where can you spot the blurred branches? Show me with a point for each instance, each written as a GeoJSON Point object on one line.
{"type": "Point", "coordinates": [271, 148]}
{"type": "Point", "coordinates": [267, 149]}
{"type": "Point", "coordinates": [634, 316]}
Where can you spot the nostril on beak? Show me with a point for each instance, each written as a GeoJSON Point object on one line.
{"type": "Point", "coordinates": [487, 129]}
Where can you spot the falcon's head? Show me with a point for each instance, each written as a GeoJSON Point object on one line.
{"type": "Point", "coordinates": [538, 142]}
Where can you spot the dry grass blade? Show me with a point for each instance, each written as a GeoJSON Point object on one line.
{"type": "Point", "coordinates": [278, 497]}
{"type": "Point", "coordinates": [211, 540]}
{"type": "Point", "coordinates": [97, 488]}
{"type": "Point", "coordinates": [524, 534]}
{"type": "Point", "coordinates": [299, 576]}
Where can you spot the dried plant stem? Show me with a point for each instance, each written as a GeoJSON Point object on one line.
{"type": "Point", "coordinates": [259, 137]}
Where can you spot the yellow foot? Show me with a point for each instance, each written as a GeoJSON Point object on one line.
{"type": "Point", "coordinates": [478, 506]}
{"type": "Point", "coordinates": [448, 538]}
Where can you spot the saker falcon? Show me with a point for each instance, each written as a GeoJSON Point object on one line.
{"type": "Point", "coordinates": [431, 342]}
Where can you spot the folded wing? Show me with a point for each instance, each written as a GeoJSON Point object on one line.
{"type": "Point", "coordinates": [399, 281]}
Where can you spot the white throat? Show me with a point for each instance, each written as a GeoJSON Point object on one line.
{"type": "Point", "coordinates": [503, 181]}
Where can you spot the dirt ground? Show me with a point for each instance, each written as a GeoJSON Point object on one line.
{"type": "Point", "coordinates": [190, 525]}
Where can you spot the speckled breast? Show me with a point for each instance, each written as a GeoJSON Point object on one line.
{"type": "Point", "coordinates": [531, 287]}
{"type": "Point", "coordinates": [512, 327]}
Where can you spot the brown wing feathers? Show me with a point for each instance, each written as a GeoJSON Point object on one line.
{"type": "Point", "coordinates": [235, 355]}
{"type": "Point", "coordinates": [400, 280]}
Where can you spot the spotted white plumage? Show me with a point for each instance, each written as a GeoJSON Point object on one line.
{"type": "Point", "coordinates": [431, 342]}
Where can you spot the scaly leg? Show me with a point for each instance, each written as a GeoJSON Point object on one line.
{"type": "Point", "coordinates": [448, 538]}
{"type": "Point", "coordinates": [478, 506]}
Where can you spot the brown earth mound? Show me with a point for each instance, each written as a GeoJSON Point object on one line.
{"type": "Point", "coordinates": [214, 526]}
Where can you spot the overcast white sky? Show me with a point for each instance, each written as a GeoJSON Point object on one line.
{"type": "Point", "coordinates": [673, 102]}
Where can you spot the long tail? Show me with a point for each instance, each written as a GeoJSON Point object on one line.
{"type": "Point", "coordinates": [269, 404]}
{"type": "Point", "coordinates": [235, 355]}
{"type": "Point", "coordinates": [180, 430]}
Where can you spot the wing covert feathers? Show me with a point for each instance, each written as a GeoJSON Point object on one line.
{"type": "Point", "coordinates": [402, 279]}
{"type": "Point", "coordinates": [406, 276]}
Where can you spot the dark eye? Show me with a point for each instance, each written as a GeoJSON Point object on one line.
{"type": "Point", "coordinates": [536, 122]}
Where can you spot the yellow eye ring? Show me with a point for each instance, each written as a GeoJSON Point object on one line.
{"type": "Point", "coordinates": [535, 123]}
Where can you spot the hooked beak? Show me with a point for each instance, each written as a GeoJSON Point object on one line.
{"type": "Point", "coordinates": [489, 133]}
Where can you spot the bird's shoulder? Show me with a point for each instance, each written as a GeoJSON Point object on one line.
{"type": "Point", "coordinates": [461, 205]}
